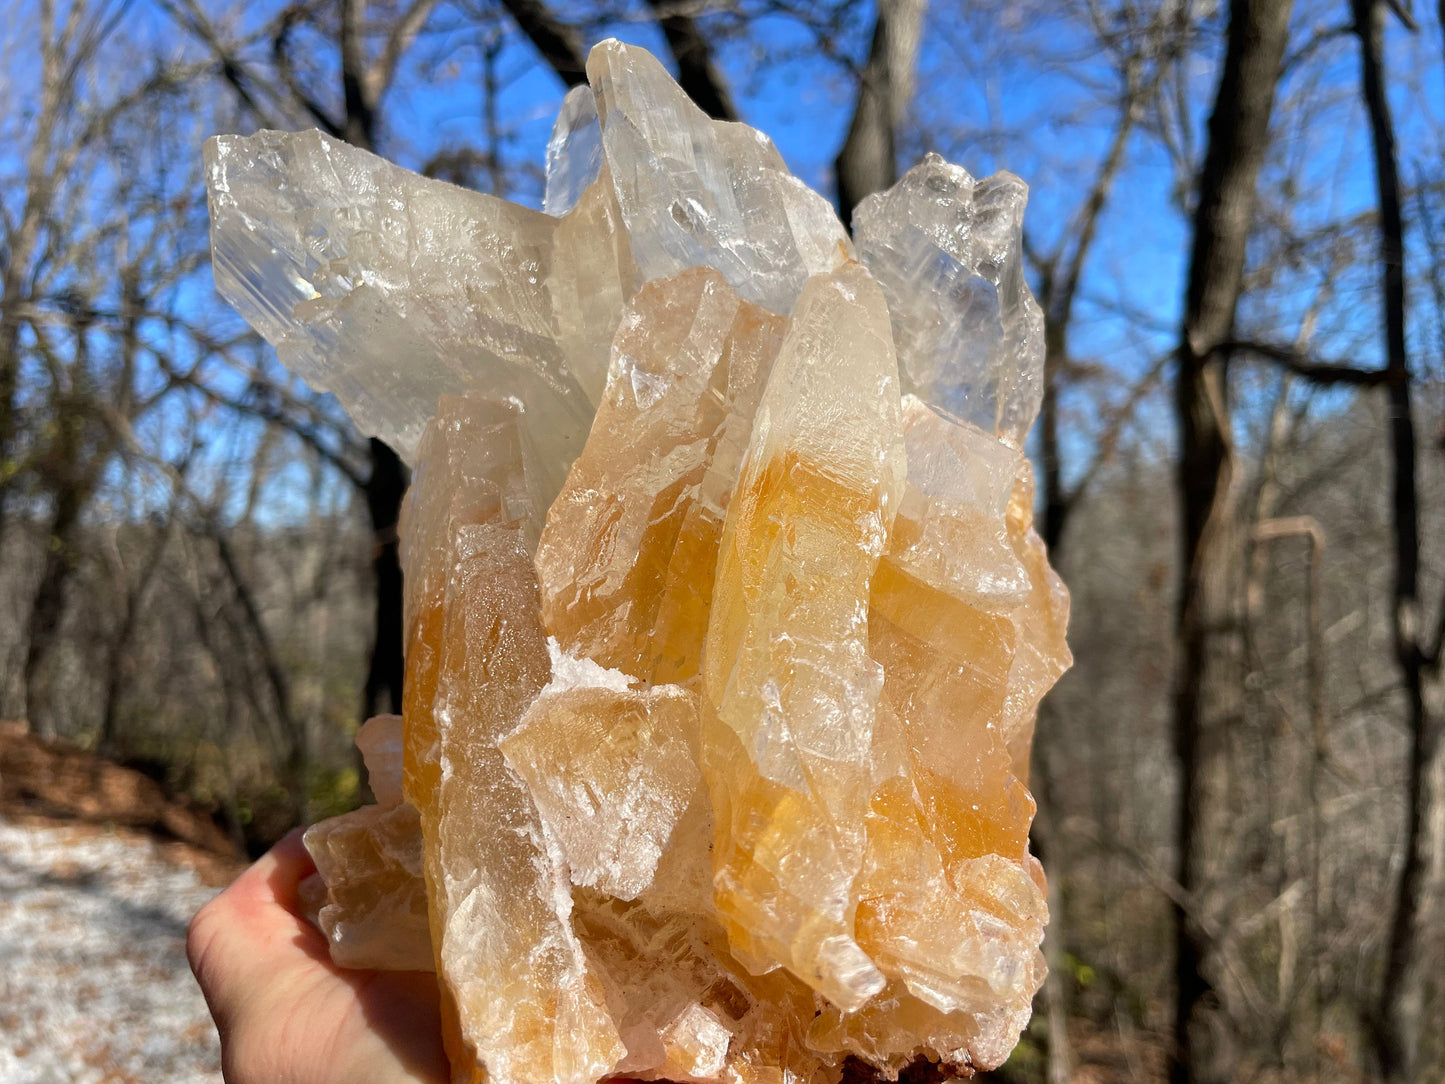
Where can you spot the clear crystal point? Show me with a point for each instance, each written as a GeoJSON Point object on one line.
{"type": "Point", "coordinates": [702, 193]}
{"type": "Point", "coordinates": [948, 252]}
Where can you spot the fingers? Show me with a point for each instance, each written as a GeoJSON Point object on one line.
{"type": "Point", "coordinates": [274, 877]}
{"type": "Point", "coordinates": [402, 1032]}
{"type": "Point", "coordinates": [252, 931]}
{"type": "Point", "coordinates": [285, 1014]}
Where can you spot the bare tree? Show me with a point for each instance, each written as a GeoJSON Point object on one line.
{"type": "Point", "coordinates": [1207, 680]}
{"type": "Point", "coordinates": [76, 286]}
{"type": "Point", "coordinates": [1395, 1022]}
{"type": "Point", "coordinates": [868, 159]}
{"type": "Point", "coordinates": [365, 76]}
{"type": "Point", "coordinates": [60, 68]}
{"type": "Point", "coordinates": [1143, 46]}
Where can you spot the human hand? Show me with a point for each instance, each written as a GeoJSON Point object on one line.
{"type": "Point", "coordinates": [285, 1013]}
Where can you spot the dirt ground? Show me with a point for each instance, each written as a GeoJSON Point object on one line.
{"type": "Point", "coordinates": [100, 873]}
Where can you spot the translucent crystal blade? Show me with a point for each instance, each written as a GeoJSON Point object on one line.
{"type": "Point", "coordinates": [1041, 624]}
{"type": "Point", "coordinates": [627, 556]}
{"type": "Point", "coordinates": [948, 252]}
{"type": "Point", "coordinates": [380, 742]}
{"type": "Point", "coordinates": [950, 908]}
{"type": "Point", "coordinates": [574, 153]}
{"type": "Point", "coordinates": [529, 1009]}
{"type": "Point", "coordinates": [611, 770]}
{"type": "Point", "coordinates": [593, 276]}
{"type": "Point", "coordinates": [515, 980]}
{"type": "Point", "coordinates": [947, 665]}
{"type": "Point", "coordinates": [951, 531]}
{"type": "Point", "coordinates": [392, 290]}
{"type": "Point", "coordinates": [961, 945]}
{"type": "Point", "coordinates": [787, 674]}
{"type": "Point", "coordinates": [471, 470]}
{"type": "Point", "coordinates": [375, 913]}
{"type": "Point", "coordinates": [701, 193]}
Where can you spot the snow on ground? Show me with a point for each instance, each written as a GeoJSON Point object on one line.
{"type": "Point", "coordinates": [94, 986]}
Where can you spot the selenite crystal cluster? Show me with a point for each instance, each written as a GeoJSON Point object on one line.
{"type": "Point", "coordinates": [726, 623]}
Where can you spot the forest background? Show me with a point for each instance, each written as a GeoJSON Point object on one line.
{"type": "Point", "coordinates": [1237, 234]}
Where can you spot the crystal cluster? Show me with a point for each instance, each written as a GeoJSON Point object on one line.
{"type": "Point", "coordinates": [726, 623]}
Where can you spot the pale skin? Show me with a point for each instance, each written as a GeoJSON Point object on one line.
{"type": "Point", "coordinates": [285, 1013]}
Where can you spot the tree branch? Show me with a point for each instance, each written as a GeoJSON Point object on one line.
{"type": "Point", "coordinates": [696, 72]}
{"type": "Point", "coordinates": [275, 416]}
{"type": "Point", "coordinates": [233, 70]}
{"type": "Point", "coordinates": [281, 58]}
{"type": "Point", "coordinates": [1136, 91]}
{"type": "Point", "coordinates": [1402, 11]}
{"type": "Point", "coordinates": [558, 42]}
{"type": "Point", "coordinates": [1114, 429]}
{"type": "Point", "coordinates": [1321, 373]}
{"type": "Point", "coordinates": [1319, 38]}
{"type": "Point", "coordinates": [379, 78]}
{"type": "Point", "coordinates": [1062, 304]}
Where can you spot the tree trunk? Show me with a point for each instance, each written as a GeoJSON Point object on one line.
{"type": "Point", "coordinates": [1048, 849]}
{"type": "Point", "coordinates": [48, 608]}
{"type": "Point", "coordinates": [1207, 675]}
{"type": "Point", "coordinates": [384, 491]}
{"type": "Point", "coordinates": [1395, 1027]}
{"type": "Point", "coordinates": [556, 41]}
{"type": "Point", "coordinates": [868, 160]}
{"type": "Point", "coordinates": [387, 482]}
{"type": "Point", "coordinates": [1058, 504]}
{"type": "Point", "coordinates": [696, 72]}
{"type": "Point", "coordinates": [107, 743]}
{"type": "Point", "coordinates": [359, 126]}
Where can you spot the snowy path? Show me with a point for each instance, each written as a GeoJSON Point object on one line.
{"type": "Point", "coordinates": [94, 987]}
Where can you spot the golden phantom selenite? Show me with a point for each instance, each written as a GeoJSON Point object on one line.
{"type": "Point", "coordinates": [725, 620]}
